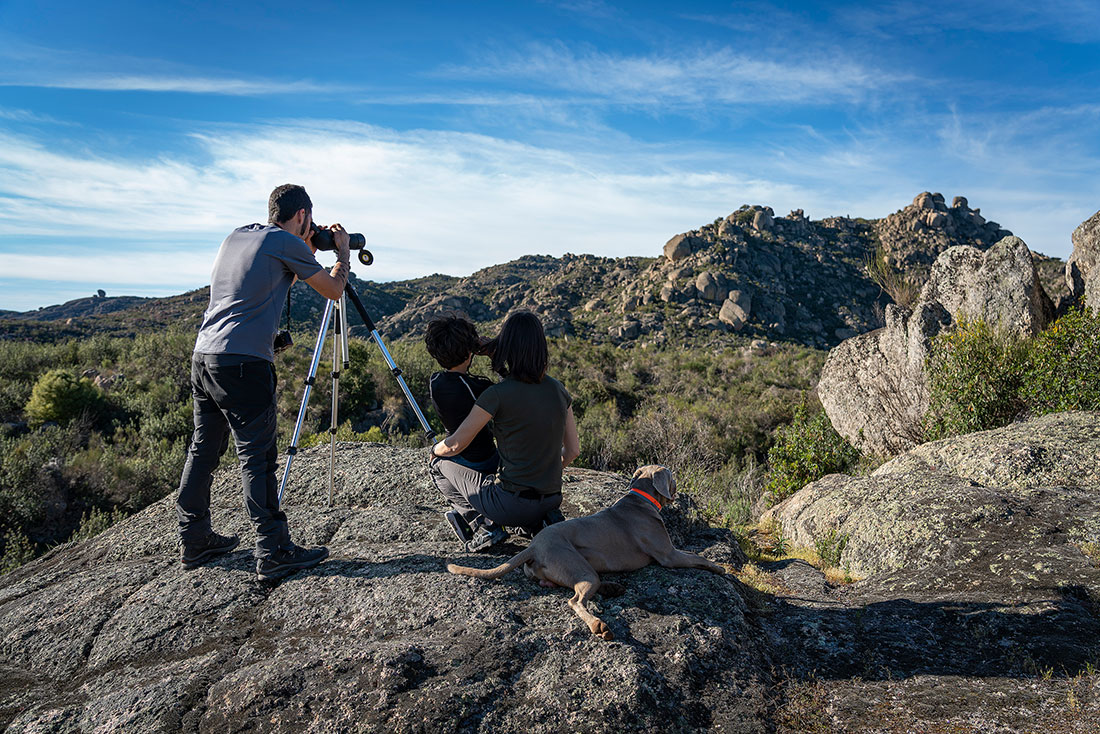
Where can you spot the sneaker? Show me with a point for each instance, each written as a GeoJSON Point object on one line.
{"type": "Point", "coordinates": [551, 518]}
{"type": "Point", "coordinates": [460, 526]}
{"type": "Point", "coordinates": [194, 555]}
{"type": "Point", "coordinates": [486, 538]}
{"type": "Point", "coordinates": [288, 559]}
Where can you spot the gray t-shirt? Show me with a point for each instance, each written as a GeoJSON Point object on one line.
{"type": "Point", "coordinates": [529, 425]}
{"type": "Point", "coordinates": [254, 270]}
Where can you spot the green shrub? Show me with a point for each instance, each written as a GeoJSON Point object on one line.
{"type": "Point", "coordinates": [976, 373]}
{"type": "Point", "coordinates": [18, 550]}
{"type": "Point", "coordinates": [1064, 367]}
{"type": "Point", "coordinates": [804, 451]}
{"type": "Point", "coordinates": [60, 396]}
{"type": "Point", "coordinates": [94, 522]}
{"type": "Point", "coordinates": [344, 432]}
{"type": "Point", "coordinates": [830, 547]}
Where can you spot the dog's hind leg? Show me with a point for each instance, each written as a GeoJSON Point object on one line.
{"type": "Point", "coordinates": [584, 590]}
{"type": "Point", "coordinates": [570, 569]}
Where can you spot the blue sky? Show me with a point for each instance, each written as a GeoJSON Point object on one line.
{"type": "Point", "coordinates": [134, 136]}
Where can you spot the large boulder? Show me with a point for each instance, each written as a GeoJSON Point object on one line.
{"type": "Point", "coordinates": [736, 309]}
{"type": "Point", "coordinates": [873, 386]}
{"type": "Point", "coordinates": [1083, 266]}
{"type": "Point", "coordinates": [999, 286]}
{"type": "Point", "coordinates": [679, 247]}
{"type": "Point", "coordinates": [112, 635]}
{"type": "Point", "coordinates": [1012, 502]}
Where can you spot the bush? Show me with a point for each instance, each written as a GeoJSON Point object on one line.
{"type": "Point", "coordinates": [976, 373]}
{"type": "Point", "coordinates": [804, 451]}
{"type": "Point", "coordinates": [18, 550]}
{"type": "Point", "coordinates": [830, 547]}
{"type": "Point", "coordinates": [982, 377]}
{"type": "Point", "coordinates": [94, 522]}
{"type": "Point", "coordinates": [1064, 367]}
{"type": "Point", "coordinates": [60, 396]}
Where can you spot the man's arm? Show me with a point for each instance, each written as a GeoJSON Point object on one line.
{"type": "Point", "coordinates": [331, 284]}
{"type": "Point", "coordinates": [457, 442]}
{"type": "Point", "coordinates": [571, 442]}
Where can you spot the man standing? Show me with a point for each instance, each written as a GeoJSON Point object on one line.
{"type": "Point", "coordinates": [233, 379]}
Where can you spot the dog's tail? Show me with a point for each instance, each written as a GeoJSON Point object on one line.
{"type": "Point", "coordinates": [494, 573]}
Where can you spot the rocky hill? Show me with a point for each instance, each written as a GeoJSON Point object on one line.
{"type": "Point", "coordinates": [977, 612]}
{"type": "Point", "coordinates": [747, 275]}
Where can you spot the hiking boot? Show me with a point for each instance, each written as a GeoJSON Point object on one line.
{"type": "Point", "coordinates": [552, 518]}
{"type": "Point", "coordinates": [289, 559]}
{"type": "Point", "coordinates": [193, 555]}
{"type": "Point", "coordinates": [486, 538]}
{"type": "Point", "coordinates": [460, 526]}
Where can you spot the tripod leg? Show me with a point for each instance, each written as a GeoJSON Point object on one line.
{"type": "Point", "coordinates": [350, 292]}
{"type": "Point", "coordinates": [339, 354]}
{"type": "Point", "coordinates": [290, 452]}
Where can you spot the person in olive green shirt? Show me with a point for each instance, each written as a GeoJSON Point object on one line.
{"type": "Point", "coordinates": [536, 436]}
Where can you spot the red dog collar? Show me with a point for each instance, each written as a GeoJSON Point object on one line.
{"type": "Point", "coordinates": [635, 489]}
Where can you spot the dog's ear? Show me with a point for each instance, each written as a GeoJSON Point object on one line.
{"type": "Point", "coordinates": [658, 478]}
{"type": "Point", "coordinates": [664, 482]}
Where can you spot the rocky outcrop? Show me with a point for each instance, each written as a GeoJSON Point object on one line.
{"type": "Point", "coordinates": [976, 583]}
{"type": "Point", "coordinates": [874, 387]}
{"type": "Point", "coordinates": [112, 635]}
{"type": "Point", "coordinates": [1083, 266]}
{"type": "Point", "coordinates": [913, 237]}
{"type": "Point", "coordinates": [999, 286]}
{"type": "Point", "coordinates": [1008, 505]}
{"type": "Point", "coordinates": [981, 565]}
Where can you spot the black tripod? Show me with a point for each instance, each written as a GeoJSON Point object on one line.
{"type": "Point", "coordinates": [340, 358]}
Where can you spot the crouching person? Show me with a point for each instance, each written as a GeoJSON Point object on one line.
{"type": "Point", "coordinates": [453, 341]}
{"type": "Point", "coordinates": [536, 437]}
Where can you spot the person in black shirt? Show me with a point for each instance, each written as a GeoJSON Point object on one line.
{"type": "Point", "coordinates": [452, 341]}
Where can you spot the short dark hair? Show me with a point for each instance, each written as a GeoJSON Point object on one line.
{"type": "Point", "coordinates": [285, 202]}
{"type": "Point", "coordinates": [521, 348]}
{"type": "Point", "coordinates": [450, 340]}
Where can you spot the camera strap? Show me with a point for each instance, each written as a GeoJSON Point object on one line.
{"type": "Point", "coordinates": [288, 290]}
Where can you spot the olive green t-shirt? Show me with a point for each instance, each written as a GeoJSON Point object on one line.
{"type": "Point", "coordinates": [528, 424]}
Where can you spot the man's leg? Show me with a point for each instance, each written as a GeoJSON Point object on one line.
{"type": "Point", "coordinates": [208, 442]}
{"type": "Point", "coordinates": [246, 395]}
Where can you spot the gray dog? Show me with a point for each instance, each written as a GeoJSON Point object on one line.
{"type": "Point", "coordinates": [624, 537]}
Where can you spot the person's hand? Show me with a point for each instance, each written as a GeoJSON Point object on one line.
{"type": "Point", "coordinates": [308, 239]}
{"type": "Point", "coordinates": [343, 241]}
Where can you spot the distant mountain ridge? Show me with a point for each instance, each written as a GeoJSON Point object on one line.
{"type": "Point", "coordinates": [746, 275]}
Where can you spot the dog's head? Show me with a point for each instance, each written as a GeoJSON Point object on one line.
{"type": "Point", "coordinates": [655, 478]}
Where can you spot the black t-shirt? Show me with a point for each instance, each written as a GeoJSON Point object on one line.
{"type": "Point", "coordinates": [529, 425]}
{"type": "Point", "coordinates": [453, 395]}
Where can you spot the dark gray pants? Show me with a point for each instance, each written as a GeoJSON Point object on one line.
{"type": "Point", "coordinates": [237, 398]}
{"type": "Point", "coordinates": [482, 501]}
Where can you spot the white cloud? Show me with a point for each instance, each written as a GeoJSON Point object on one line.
{"type": "Point", "coordinates": [117, 82]}
{"type": "Point", "coordinates": [438, 201]}
{"type": "Point", "coordinates": [701, 75]}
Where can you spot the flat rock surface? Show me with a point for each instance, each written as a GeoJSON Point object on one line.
{"type": "Point", "coordinates": [112, 635]}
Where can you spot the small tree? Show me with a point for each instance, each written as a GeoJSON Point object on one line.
{"type": "Point", "coordinates": [804, 451]}
{"type": "Point", "coordinates": [59, 396]}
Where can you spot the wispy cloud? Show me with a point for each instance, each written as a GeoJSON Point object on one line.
{"type": "Point", "coordinates": [704, 75]}
{"type": "Point", "coordinates": [109, 82]}
{"type": "Point", "coordinates": [1076, 21]}
{"type": "Point", "coordinates": [29, 65]}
